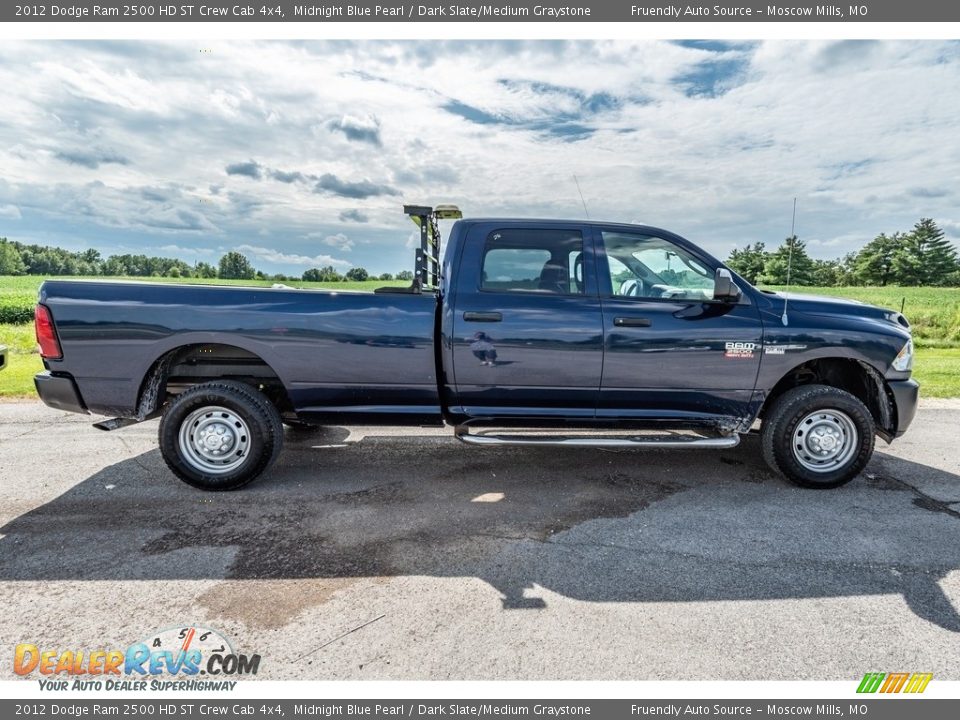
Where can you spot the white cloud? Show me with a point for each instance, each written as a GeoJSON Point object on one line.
{"type": "Point", "coordinates": [117, 86]}
{"type": "Point", "coordinates": [180, 251]}
{"type": "Point", "coordinates": [339, 241]}
{"type": "Point", "coordinates": [951, 228]}
{"type": "Point", "coordinates": [10, 212]}
{"type": "Point", "coordinates": [359, 129]}
{"type": "Point", "coordinates": [712, 142]}
{"type": "Point", "coordinates": [281, 258]}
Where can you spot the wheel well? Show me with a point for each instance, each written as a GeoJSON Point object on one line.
{"type": "Point", "coordinates": [188, 365]}
{"type": "Point", "coordinates": [857, 378]}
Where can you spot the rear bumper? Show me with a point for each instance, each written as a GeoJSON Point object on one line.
{"type": "Point", "coordinates": [60, 392]}
{"type": "Point", "coordinates": [906, 393]}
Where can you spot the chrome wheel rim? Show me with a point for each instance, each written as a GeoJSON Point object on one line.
{"type": "Point", "coordinates": [214, 440]}
{"type": "Point", "coordinates": [825, 440]}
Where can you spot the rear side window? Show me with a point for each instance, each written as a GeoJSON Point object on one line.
{"type": "Point", "coordinates": [538, 261]}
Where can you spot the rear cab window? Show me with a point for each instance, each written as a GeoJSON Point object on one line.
{"type": "Point", "coordinates": [545, 261]}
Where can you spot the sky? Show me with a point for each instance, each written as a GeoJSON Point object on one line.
{"type": "Point", "coordinates": [301, 154]}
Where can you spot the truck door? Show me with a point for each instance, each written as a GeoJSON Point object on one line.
{"type": "Point", "coordinates": [527, 336]}
{"type": "Point", "coordinates": [670, 351]}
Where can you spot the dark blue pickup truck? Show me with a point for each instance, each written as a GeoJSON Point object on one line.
{"type": "Point", "coordinates": [526, 332]}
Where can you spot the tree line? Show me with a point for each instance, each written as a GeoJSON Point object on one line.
{"type": "Point", "coordinates": [17, 258]}
{"type": "Point", "coordinates": [922, 256]}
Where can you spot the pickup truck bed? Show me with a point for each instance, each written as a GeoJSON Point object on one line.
{"type": "Point", "coordinates": [343, 353]}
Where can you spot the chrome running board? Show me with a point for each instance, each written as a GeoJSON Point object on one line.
{"type": "Point", "coordinates": [115, 423]}
{"type": "Point", "coordinates": [719, 442]}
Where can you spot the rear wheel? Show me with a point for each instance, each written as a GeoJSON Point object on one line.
{"type": "Point", "coordinates": [220, 435]}
{"type": "Point", "coordinates": [817, 436]}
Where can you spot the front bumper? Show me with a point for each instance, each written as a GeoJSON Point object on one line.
{"type": "Point", "coordinates": [60, 392]}
{"type": "Point", "coordinates": [906, 393]}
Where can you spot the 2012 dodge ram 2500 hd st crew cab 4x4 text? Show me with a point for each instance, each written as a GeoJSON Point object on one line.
{"type": "Point", "coordinates": [620, 335]}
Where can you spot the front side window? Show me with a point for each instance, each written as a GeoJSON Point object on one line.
{"type": "Point", "coordinates": [651, 267]}
{"type": "Point", "coordinates": [537, 261]}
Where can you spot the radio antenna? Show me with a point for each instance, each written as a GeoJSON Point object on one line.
{"type": "Point", "coordinates": [786, 292]}
{"type": "Point", "coordinates": [585, 211]}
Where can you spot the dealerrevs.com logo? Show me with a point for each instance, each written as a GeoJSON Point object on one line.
{"type": "Point", "coordinates": [171, 659]}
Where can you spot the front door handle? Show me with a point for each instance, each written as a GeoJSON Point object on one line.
{"type": "Point", "coordinates": [482, 316]}
{"type": "Point", "coordinates": [631, 322]}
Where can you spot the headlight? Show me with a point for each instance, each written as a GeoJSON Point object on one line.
{"type": "Point", "coordinates": [904, 359]}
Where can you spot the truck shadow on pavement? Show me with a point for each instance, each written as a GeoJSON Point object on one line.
{"type": "Point", "coordinates": [599, 526]}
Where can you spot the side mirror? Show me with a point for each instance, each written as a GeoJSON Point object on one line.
{"type": "Point", "coordinates": [724, 289]}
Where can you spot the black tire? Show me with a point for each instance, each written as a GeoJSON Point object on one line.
{"type": "Point", "coordinates": [245, 429]}
{"type": "Point", "coordinates": [817, 436]}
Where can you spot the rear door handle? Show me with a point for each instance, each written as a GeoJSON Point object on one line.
{"type": "Point", "coordinates": [482, 316]}
{"type": "Point", "coordinates": [631, 322]}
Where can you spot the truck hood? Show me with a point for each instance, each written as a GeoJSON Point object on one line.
{"type": "Point", "coordinates": [825, 305]}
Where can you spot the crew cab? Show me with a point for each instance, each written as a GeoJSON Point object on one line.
{"type": "Point", "coordinates": [562, 332]}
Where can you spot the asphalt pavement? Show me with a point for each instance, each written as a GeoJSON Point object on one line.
{"type": "Point", "coordinates": [394, 553]}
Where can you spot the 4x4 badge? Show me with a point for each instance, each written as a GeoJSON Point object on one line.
{"type": "Point", "coordinates": [781, 349]}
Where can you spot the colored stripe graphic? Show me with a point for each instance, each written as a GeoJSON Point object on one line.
{"type": "Point", "coordinates": [894, 682]}
{"type": "Point", "coordinates": [918, 682]}
{"type": "Point", "coordinates": [870, 682]}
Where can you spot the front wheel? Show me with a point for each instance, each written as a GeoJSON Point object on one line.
{"type": "Point", "coordinates": [817, 436]}
{"type": "Point", "coordinates": [220, 435]}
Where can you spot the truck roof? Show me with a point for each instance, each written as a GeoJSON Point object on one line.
{"type": "Point", "coordinates": [563, 221]}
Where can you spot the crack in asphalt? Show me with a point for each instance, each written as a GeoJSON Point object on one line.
{"type": "Point", "coordinates": [135, 454]}
{"type": "Point", "coordinates": [23, 434]}
{"type": "Point", "coordinates": [923, 500]}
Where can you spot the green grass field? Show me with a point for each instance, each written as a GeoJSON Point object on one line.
{"type": "Point", "coordinates": [23, 361]}
{"type": "Point", "coordinates": [934, 314]}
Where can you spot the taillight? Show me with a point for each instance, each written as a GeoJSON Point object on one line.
{"type": "Point", "coordinates": [46, 335]}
